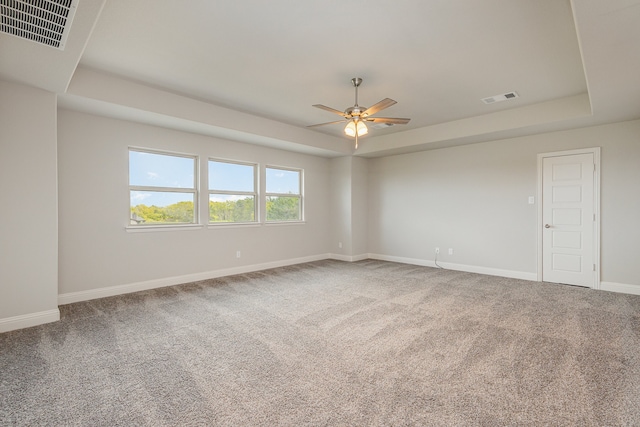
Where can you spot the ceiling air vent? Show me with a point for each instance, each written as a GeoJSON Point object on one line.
{"type": "Point", "coordinates": [42, 21]}
{"type": "Point", "coordinates": [381, 125]}
{"type": "Point", "coordinates": [499, 98]}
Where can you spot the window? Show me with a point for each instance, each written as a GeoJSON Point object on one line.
{"type": "Point", "coordinates": [232, 192]}
{"type": "Point", "coordinates": [283, 194]}
{"type": "Point", "coordinates": [162, 188]}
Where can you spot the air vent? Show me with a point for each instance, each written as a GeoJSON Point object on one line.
{"type": "Point", "coordinates": [42, 21]}
{"type": "Point", "coordinates": [381, 125]}
{"type": "Point", "coordinates": [500, 98]}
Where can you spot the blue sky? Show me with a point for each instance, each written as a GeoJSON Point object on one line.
{"type": "Point", "coordinates": [158, 170]}
{"type": "Point", "coordinates": [282, 181]}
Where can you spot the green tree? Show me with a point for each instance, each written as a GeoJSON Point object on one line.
{"type": "Point", "coordinates": [282, 208]}
{"type": "Point", "coordinates": [242, 210]}
{"type": "Point", "coordinates": [181, 212]}
{"type": "Point", "coordinates": [148, 214]}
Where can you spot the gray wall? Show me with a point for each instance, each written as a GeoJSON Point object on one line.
{"type": "Point", "coordinates": [359, 206]}
{"type": "Point", "coordinates": [349, 208]}
{"type": "Point", "coordinates": [28, 217]}
{"type": "Point", "coordinates": [474, 199]}
{"type": "Point", "coordinates": [340, 201]}
{"type": "Point", "coordinates": [96, 251]}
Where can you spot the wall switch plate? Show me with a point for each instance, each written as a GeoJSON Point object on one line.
{"type": "Point", "coordinates": [340, 245]}
{"type": "Point", "coordinates": [450, 251]}
{"type": "Point", "coordinates": [437, 250]}
{"type": "Point", "coordinates": [532, 200]}
{"type": "Point", "coordinates": [237, 254]}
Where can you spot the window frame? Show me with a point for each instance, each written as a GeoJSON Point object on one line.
{"type": "Point", "coordinates": [255, 193]}
{"type": "Point", "coordinates": [194, 191]}
{"type": "Point", "coordinates": [299, 195]}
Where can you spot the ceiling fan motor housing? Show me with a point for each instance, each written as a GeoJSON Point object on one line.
{"type": "Point", "coordinates": [355, 111]}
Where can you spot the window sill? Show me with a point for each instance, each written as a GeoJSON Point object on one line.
{"type": "Point", "coordinates": [154, 228]}
{"type": "Point", "coordinates": [279, 223]}
{"type": "Point", "coordinates": [232, 225]}
{"type": "Point", "coordinates": [178, 227]}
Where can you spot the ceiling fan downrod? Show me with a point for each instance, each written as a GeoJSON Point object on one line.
{"type": "Point", "coordinates": [356, 82]}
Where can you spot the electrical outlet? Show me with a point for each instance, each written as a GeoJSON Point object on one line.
{"type": "Point", "coordinates": [340, 245]}
{"type": "Point", "coordinates": [437, 250]}
{"type": "Point", "coordinates": [450, 251]}
{"type": "Point", "coordinates": [237, 254]}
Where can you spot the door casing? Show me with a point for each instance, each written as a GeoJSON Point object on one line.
{"type": "Point", "coordinates": [596, 208]}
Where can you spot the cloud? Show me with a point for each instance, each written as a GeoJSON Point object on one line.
{"type": "Point", "coordinates": [138, 197]}
{"type": "Point", "coordinates": [152, 175]}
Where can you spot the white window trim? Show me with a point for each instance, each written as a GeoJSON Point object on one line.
{"type": "Point", "coordinates": [162, 227]}
{"type": "Point", "coordinates": [300, 195]}
{"type": "Point", "coordinates": [255, 194]}
{"type": "Point", "coordinates": [196, 194]}
{"type": "Point", "coordinates": [284, 223]}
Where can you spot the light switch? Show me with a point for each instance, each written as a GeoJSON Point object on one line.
{"type": "Point", "coordinates": [531, 200]}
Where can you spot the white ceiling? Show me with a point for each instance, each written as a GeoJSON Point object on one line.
{"type": "Point", "coordinates": [437, 58]}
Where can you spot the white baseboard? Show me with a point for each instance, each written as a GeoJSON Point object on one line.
{"type": "Point", "coordinates": [29, 320]}
{"type": "Point", "coordinates": [604, 286]}
{"type": "Point", "coordinates": [403, 260]}
{"type": "Point", "coordinates": [347, 258]}
{"type": "Point", "coordinates": [620, 287]}
{"type": "Point", "coordinates": [71, 297]}
{"type": "Point", "coordinates": [523, 275]}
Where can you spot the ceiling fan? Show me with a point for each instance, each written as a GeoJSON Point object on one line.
{"type": "Point", "coordinates": [356, 116]}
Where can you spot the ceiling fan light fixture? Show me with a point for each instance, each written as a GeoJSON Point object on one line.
{"type": "Point", "coordinates": [350, 129]}
{"type": "Point", "coordinates": [356, 126]}
{"type": "Point", "coordinates": [362, 129]}
{"type": "Point", "coordinates": [356, 116]}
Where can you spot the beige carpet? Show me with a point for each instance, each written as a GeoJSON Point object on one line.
{"type": "Point", "coordinates": [329, 343]}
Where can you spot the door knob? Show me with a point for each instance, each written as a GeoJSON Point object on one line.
{"type": "Point", "coordinates": [547, 226]}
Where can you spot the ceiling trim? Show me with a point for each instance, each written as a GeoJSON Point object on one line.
{"type": "Point", "coordinates": [111, 96]}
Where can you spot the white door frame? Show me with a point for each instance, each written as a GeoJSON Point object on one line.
{"type": "Point", "coordinates": [596, 208]}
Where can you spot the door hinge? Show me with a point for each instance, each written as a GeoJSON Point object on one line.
{"type": "Point", "coordinates": [594, 217]}
{"type": "Point", "coordinates": [594, 267]}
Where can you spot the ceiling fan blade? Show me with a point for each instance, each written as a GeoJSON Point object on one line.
{"type": "Point", "coordinates": [327, 123]}
{"type": "Point", "coordinates": [392, 120]}
{"type": "Point", "coordinates": [329, 109]}
{"type": "Point", "coordinates": [385, 103]}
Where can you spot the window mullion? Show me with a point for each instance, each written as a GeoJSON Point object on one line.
{"type": "Point", "coordinates": [234, 193]}
{"type": "Point", "coordinates": [284, 205]}
{"type": "Point", "coordinates": [163, 189]}
{"type": "Point", "coordinates": [172, 202]}
{"type": "Point", "coordinates": [232, 205]}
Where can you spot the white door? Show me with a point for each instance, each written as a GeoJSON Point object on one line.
{"type": "Point", "coordinates": [568, 218]}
